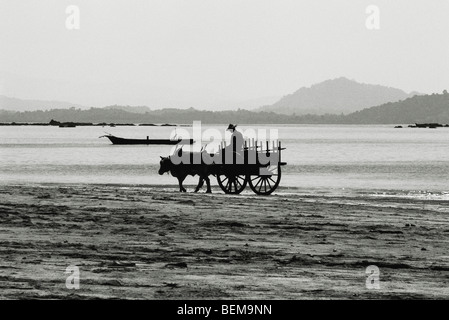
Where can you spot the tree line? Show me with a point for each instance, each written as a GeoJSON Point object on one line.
{"type": "Point", "coordinates": [417, 109]}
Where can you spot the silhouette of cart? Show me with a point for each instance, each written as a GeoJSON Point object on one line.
{"type": "Point", "coordinates": [256, 165]}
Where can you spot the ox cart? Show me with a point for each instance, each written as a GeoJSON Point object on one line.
{"type": "Point", "coordinates": [256, 165]}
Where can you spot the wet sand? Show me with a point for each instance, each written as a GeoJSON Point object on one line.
{"type": "Point", "coordinates": [150, 243]}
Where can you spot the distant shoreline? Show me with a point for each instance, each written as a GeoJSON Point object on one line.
{"type": "Point", "coordinates": [90, 124]}
{"type": "Point", "coordinates": [417, 109]}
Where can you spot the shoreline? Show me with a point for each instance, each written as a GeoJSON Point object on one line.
{"type": "Point", "coordinates": [375, 193]}
{"type": "Point", "coordinates": [136, 243]}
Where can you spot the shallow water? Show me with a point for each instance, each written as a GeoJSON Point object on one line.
{"type": "Point", "coordinates": [379, 160]}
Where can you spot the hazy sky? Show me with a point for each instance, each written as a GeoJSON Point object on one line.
{"type": "Point", "coordinates": [210, 53]}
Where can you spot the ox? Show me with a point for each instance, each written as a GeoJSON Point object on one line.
{"type": "Point", "coordinates": [181, 171]}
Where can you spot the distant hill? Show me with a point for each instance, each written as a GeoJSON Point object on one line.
{"type": "Point", "coordinates": [14, 104]}
{"type": "Point", "coordinates": [335, 96]}
{"type": "Point", "coordinates": [422, 109]}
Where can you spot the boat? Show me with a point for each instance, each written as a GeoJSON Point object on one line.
{"type": "Point", "coordinates": [118, 140]}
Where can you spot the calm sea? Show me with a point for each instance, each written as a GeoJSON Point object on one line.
{"type": "Point", "coordinates": [321, 158]}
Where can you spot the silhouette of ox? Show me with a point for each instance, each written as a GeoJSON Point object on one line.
{"type": "Point", "coordinates": [181, 171]}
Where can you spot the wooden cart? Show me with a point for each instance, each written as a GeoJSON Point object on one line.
{"type": "Point", "coordinates": [250, 166]}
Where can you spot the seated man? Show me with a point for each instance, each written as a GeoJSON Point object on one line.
{"type": "Point", "coordinates": [236, 143]}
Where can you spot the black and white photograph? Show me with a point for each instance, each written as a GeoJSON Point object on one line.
{"type": "Point", "coordinates": [239, 152]}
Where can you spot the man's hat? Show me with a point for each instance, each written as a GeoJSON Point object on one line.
{"type": "Point", "coordinates": [231, 126]}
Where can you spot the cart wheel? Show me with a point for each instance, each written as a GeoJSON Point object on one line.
{"type": "Point", "coordinates": [265, 184]}
{"type": "Point", "coordinates": [233, 184]}
{"type": "Point", "coordinates": [231, 177]}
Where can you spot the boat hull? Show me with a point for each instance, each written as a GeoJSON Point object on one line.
{"type": "Point", "coordinates": [118, 140]}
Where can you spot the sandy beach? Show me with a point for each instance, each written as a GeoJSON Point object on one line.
{"type": "Point", "coordinates": [147, 242]}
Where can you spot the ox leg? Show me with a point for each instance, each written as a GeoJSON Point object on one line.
{"type": "Point", "coordinates": [208, 185]}
{"type": "Point", "coordinates": [181, 188]}
{"type": "Point", "coordinates": [200, 184]}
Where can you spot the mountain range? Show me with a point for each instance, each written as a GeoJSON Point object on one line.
{"type": "Point", "coordinates": [334, 96]}
{"type": "Point", "coordinates": [417, 109]}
